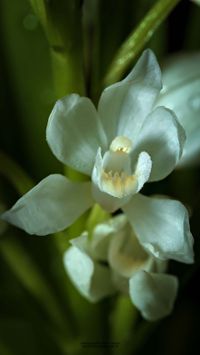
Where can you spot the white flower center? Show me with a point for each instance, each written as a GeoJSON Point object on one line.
{"type": "Point", "coordinates": [112, 173]}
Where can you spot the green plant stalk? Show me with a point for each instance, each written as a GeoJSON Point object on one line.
{"type": "Point", "coordinates": [97, 216]}
{"type": "Point", "coordinates": [137, 39]}
{"type": "Point", "coordinates": [123, 319]}
{"type": "Point", "coordinates": [62, 24]}
{"type": "Point", "coordinates": [67, 79]}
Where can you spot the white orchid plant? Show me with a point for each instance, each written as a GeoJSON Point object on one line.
{"type": "Point", "coordinates": [130, 139]}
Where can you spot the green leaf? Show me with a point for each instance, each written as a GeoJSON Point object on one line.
{"type": "Point", "coordinates": [137, 39]}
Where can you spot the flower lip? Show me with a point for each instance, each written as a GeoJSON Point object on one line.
{"type": "Point", "coordinates": [118, 184]}
{"type": "Point", "coordinates": [112, 172]}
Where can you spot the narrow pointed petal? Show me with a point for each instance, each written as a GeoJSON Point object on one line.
{"type": "Point", "coordinates": [181, 93]}
{"type": "Point", "coordinates": [74, 132]}
{"type": "Point", "coordinates": [124, 105]}
{"type": "Point", "coordinates": [91, 279]}
{"type": "Point", "coordinates": [52, 205]}
{"type": "Point", "coordinates": [162, 227]}
{"type": "Point", "coordinates": [163, 138]}
{"type": "Point", "coordinates": [153, 294]}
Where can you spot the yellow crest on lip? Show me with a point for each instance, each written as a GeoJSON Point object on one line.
{"type": "Point", "coordinates": [118, 184]}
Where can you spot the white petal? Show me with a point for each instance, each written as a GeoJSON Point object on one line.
{"type": "Point", "coordinates": [113, 188]}
{"type": "Point", "coordinates": [126, 255]}
{"type": "Point", "coordinates": [82, 243]}
{"type": "Point", "coordinates": [91, 279]}
{"type": "Point", "coordinates": [180, 68]}
{"type": "Point", "coordinates": [74, 132]}
{"type": "Point", "coordinates": [124, 105]}
{"type": "Point", "coordinates": [162, 227]}
{"type": "Point", "coordinates": [162, 137]}
{"type": "Point", "coordinates": [52, 205]}
{"type": "Point", "coordinates": [101, 237]}
{"type": "Point", "coordinates": [181, 93]}
{"type": "Point", "coordinates": [97, 245]}
{"type": "Point", "coordinates": [143, 169]}
{"type": "Point", "coordinates": [108, 202]}
{"type": "Point", "coordinates": [153, 294]}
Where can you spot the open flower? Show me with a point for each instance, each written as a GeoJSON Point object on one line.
{"type": "Point", "coordinates": [181, 93]}
{"type": "Point", "coordinates": [123, 144]}
{"type": "Point", "coordinates": [112, 259]}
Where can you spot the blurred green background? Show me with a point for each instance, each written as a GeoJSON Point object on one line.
{"type": "Point", "coordinates": [40, 311]}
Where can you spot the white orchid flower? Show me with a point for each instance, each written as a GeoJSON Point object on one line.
{"type": "Point", "coordinates": [114, 260]}
{"type": "Point", "coordinates": [181, 93]}
{"type": "Point", "coordinates": [123, 144]}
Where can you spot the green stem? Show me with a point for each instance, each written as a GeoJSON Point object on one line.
{"type": "Point", "coordinates": [97, 216]}
{"type": "Point", "coordinates": [61, 21]}
{"type": "Point", "coordinates": [15, 174]}
{"type": "Point", "coordinates": [123, 319]}
{"type": "Point", "coordinates": [137, 39]}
